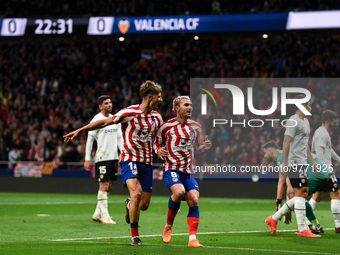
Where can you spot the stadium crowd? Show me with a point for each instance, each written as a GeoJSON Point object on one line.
{"type": "Point", "coordinates": [49, 8]}
{"type": "Point", "coordinates": [49, 86]}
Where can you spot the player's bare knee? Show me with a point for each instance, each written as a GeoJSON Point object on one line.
{"type": "Point", "coordinates": [144, 205]}
{"type": "Point", "coordinates": [179, 194]}
{"type": "Point", "coordinates": [136, 194]}
{"type": "Point", "coordinates": [193, 201]}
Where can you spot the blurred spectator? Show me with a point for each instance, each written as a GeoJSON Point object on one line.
{"type": "Point", "coordinates": [13, 157]}
{"type": "Point", "coordinates": [46, 8]}
{"type": "Point", "coordinates": [73, 72]}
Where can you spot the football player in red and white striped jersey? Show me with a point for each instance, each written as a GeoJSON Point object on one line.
{"type": "Point", "coordinates": [179, 136]}
{"type": "Point", "coordinates": [139, 123]}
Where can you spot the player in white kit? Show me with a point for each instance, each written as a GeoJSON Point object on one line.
{"type": "Point", "coordinates": [322, 147]}
{"type": "Point", "coordinates": [109, 141]}
{"type": "Point", "coordinates": [295, 153]}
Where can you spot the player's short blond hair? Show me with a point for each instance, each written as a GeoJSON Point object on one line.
{"type": "Point", "coordinates": [177, 101]}
{"type": "Point", "coordinates": [149, 88]}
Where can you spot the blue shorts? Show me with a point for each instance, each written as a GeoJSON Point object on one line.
{"type": "Point", "coordinates": [172, 177]}
{"type": "Point", "coordinates": [143, 172]}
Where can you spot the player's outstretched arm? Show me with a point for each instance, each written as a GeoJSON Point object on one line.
{"type": "Point", "coordinates": [92, 126]}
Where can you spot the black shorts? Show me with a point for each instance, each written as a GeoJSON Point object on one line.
{"type": "Point", "coordinates": [331, 185]}
{"type": "Point", "coordinates": [106, 171]}
{"type": "Point", "coordinates": [298, 176]}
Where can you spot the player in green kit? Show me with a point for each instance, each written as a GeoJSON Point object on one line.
{"type": "Point", "coordinates": [316, 180]}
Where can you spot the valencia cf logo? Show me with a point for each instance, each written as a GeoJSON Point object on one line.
{"type": "Point", "coordinates": [101, 176]}
{"type": "Point", "coordinates": [335, 185]}
{"type": "Point", "coordinates": [303, 180]}
{"type": "Point", "coordinates": [124, 25]}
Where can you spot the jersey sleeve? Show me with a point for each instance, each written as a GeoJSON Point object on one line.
{"type": "Point", "coordinates": [290, 129]}
{"type": "Point", "coordinates": [91, 136]}
{"type": "Point", "coordinates": [120, 138]}
{"type": "Point", "coordinates": [199, 139]}
{"type": "Point", "coordinates": [160, 139]}
{"type": "Point", "coordinates": [321, 141]}
{"type": "Point", "coordinates": [122, 116]}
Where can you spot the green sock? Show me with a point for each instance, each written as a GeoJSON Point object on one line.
{"type": "Point", "coordinates": [310, 214]}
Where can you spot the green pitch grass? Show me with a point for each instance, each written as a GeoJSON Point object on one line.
{"type": "Point", "coordinates": [61, 224]}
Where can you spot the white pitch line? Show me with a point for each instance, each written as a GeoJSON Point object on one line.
{"type": "Point", "coordinates": [177, 234]}
{"type": "Point", "coordinates": [68, 203]}
{"type": "Point", "coordinates": [226, 247]}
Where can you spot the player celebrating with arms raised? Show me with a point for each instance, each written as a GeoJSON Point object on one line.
{"type": "Point", "coordinates": [179, 136]}
{"type": "Point", "coordinates": [139, 123]}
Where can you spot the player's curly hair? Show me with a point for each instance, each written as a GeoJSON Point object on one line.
{"type": "Point", "coordinates": [177, 101]}
{"type": "Point", "coordinates": [149, 88]}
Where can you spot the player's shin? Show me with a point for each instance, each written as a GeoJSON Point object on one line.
{"type": "Point", "coordinates": [193, 221]}
{"type": "Point", "coordinates": [335, 207]}
{"type": "Point", "coordinates": [102, 201]}
{"type": "Point", "coordinates": [287, 207]}
{"type": "Point", "coordinates": [173, 208]}
{"type": "Point", "coordinates": [300, 212]}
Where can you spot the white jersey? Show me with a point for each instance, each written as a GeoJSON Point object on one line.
{"type": "Point", "coordinates": [322, 147]}
{"type": "Point", "coordinates": [298, 145]}
{"type": "Point", "coordinates": [109, 140]}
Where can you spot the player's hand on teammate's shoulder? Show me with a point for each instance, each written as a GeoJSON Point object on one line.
{"type": "Point", "coordinates": [162, 152]}
{"type": "Point", "coordinates": [68, 137]}
{"type": "Point", "coordinates": [207, 143]}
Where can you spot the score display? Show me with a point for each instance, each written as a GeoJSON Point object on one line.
{"type": "Point", "coordinates": [170, 24]}
{"type": "Point", "coordinates": [13, 27]}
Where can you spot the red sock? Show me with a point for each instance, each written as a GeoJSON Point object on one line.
{"type": "Point", "coordinates": [171, 217]}
{"type": "Point", "coordinates": [193, 225]}
{"type": "Point", "coordinates": [134, 229]}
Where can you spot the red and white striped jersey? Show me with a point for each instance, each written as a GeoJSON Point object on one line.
{"type": "Point", "coordinates": [180, 140]}
{"type": "Point", "coordinates": [138, 129]}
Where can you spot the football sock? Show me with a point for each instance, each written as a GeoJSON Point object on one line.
{"type": "Point", "coordinates": [134, 229]}
{"type": "Point", "coordinates": [309, 213]}
{"type": "Point", "coordinates": [97, 212]}
{"type": "Point", "coordinates": [335, 207]}
{"type": "Point", "coordinates": [102, 201]}
{"type": "Point", "coordinates": [288, 206]}
{"type": "Point", "coordinates": [193, 220]}
{"type": "Point", "coordinates": [300, 212]}
{"type": "Point", "coordinates": [172, 211]}
{"type": "Point", "coordinates": [313, 203]}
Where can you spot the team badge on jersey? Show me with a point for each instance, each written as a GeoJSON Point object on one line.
{"type": "Point", "coordinates": [183, 142]}
{"type": "Point", "coordinates": [134, 171]}
{"type": "Point", "coordinates": [191, 133]}
{"type": "Point", "coordinates": [303, 180]}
